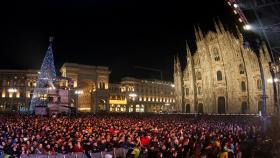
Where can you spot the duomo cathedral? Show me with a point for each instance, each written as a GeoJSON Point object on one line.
{"type": "Point", "coordinates": [223, 76]}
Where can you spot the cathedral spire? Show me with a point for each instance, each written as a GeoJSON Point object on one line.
{"type": "Point", "coordinates": [188, 49]}
{"type": "Point", "coordinates": [197, 37]}
{"type": "Point", "coordinates": [200, 33]}
{"type": "Point", "coordinates": [217, 29]}
{"type": "Point", "coordinates": [221, 26]}
{"type": "Point", "coordinates": [177, 65]}
{"type": "Point", "coordinates": [174, 65]}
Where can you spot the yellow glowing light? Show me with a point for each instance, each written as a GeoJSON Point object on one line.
{"type": "Point", "coordinates": [120, 102]}
{"type": "Point", "coordinates": [84, 109]}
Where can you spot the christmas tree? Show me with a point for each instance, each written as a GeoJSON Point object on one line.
{"type": "Point", "coordinates": [46, 78]}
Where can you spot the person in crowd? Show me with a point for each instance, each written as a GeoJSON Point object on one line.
{"type": "Point", "coordinates": [139, 135]}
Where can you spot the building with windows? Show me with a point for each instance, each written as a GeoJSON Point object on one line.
{"type": "Point", "coordinates": [91, 86]}
{"type": "Point", "coordinates": [16, 87]}
{"type": "Point", "coordinates": [117, 99]}
{"type": "Point", "coordinates": [136, 95]}
{"type": "Point", "coordinates": [223, 76]}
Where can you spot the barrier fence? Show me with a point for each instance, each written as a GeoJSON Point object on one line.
{"type": "Point", "coordinates": [116, 153]}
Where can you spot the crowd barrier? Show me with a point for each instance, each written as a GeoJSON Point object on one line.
{"type": "Point", "coordinates": [116, 153]}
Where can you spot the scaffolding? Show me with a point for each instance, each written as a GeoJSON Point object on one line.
{"type": "Point", "coordinates": [262, 17]}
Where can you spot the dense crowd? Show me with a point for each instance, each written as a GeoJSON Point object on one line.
{"type": "Point", "coordinates": [144, 135]}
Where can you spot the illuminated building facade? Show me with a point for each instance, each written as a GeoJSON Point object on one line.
{"type": "Point", "coordinates": [91, 86]}
{"type": "Point", "coordinates": [16, 87]}
{"type": "Point", "coordinates": [136, 95]}
{"type": "Point", "coordinates": [223, 76]}
{"type": "Point", "coordinates": [117, 99]}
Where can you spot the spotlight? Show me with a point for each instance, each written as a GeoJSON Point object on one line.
{"type": "Point", "coordinates": [247, 27]}
{"type": "Point", "coordinates": [235, 5]}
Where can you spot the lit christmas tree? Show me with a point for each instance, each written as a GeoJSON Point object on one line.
{"type": "Point", "coordinates": [46, 77]}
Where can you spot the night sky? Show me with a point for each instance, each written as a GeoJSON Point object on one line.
{"type": "Point", "coordinates": [120, 34]}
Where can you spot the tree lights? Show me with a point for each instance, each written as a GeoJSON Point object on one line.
{"type": "Point", "coordinates": [46, 76]}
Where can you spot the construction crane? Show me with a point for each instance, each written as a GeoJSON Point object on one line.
{"type": "Point", "coordinates": [150, 69]}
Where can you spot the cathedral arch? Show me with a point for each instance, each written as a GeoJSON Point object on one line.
{"type": "Point", "coordinates": [244, 108]}
{"type": "Point", "coordinates": [188, 108]}
{"type": "Point", "coordinates": [243, 86]}
{"type": "Point", "coordinates": [221, 105]}
{"type": "Point", "coordinates": [200, 108]}
{"type": "Point", "coordinates": [219, 75]}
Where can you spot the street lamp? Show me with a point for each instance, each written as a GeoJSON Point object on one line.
{"type": "Point", "coordinates": [12, 91]}
{"type": "Point", "coordinates": [133, 95]}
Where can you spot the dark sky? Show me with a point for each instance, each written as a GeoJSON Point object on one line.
{"type": "Point", "coordinates": [115, 33]}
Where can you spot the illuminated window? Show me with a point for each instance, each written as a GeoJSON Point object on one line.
{"type": "Point", "coordinates": [3, 94]}
{"type": "Point", "coordinates": [153, 99]}
{"type": "Point", "coordinates": [101, 85]}
{"type": "Point", "coordinates": [139, 108]}
{"type": "Point", "coordinates": [140, 98]}
{"type": "Point", "coordinates": [131, 108]}
{"type": "Point", "coordinates": [144, 98]}
{"type": "Point", "coordinates": [149, 98]}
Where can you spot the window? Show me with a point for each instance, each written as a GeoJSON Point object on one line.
{"type": "Point", "coordinates": [219, 76]}
{"type": "Point", "coordinates": [241, 69]}
{"type": "Point", "coordinates": [216, 54]}
{"type": "Point", "coordinates": [199, 90]}
{"type": "Point", "coordinates": [186, 91]}
{"type": "Point", "coordinates": [198, 76]}
{"type": "Point", "coordinates": [243, 86]}
{"type": "Point", "coordinates": [101, 85]}
{"type": "Point", "coordinates": [259, 84]}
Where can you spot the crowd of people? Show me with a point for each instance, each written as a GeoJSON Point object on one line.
{"type": "Point", "coordinates": [143, 135]}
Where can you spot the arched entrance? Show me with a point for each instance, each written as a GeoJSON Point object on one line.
{"type": "Point", "coordinates": [101, 105]}
{"type": "Point", "coordinates": [221, 105]}
{"type": "Point", "coordinates": [244, 108]}
{"type": "Point", "coordinates": [200, 108]}
{"type": "Point", "coordinates": [188, 108]}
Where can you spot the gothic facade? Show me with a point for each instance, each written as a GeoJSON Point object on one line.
{"type": "Point", "coordinates": [222, 76]}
